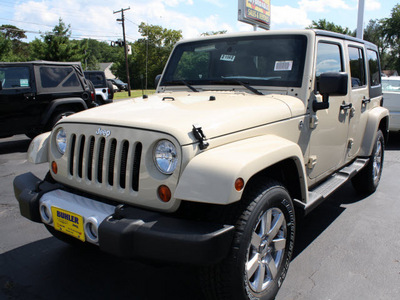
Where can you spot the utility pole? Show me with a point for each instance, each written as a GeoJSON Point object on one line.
{"type": "Point", "coordinates": [125, 47]}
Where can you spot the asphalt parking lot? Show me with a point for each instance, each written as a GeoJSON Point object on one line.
{"type": "Point", "coordinates": [348, 248]}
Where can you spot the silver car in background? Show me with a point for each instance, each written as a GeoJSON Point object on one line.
{"type": "Point", "coordinates": [391, 96]}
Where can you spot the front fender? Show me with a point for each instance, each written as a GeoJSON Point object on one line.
{"type": "Point", "coordinates": [375, 117]}
{"type": "Point", "coordinates": [38, 151]}
{"type": "Point", "coordinates": [210, 176]}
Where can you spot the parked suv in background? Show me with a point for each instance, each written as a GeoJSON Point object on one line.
{"type": "Point", "coordinates": [245, 133]}
{"type": "Point", "coordinates": [35, 95]}
{"type": "Point", "coordinates": [391, 100]}
{"type": "Point", "coordinates": [104, 90]}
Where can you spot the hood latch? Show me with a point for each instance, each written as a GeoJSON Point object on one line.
{"type": "Point", "coordinates": [200, 136]}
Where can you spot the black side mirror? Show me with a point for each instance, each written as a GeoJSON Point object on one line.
{"type": "Point", "coordinates": [331, 84]}
{"type": "Point", "coordinates": [157, 80]}
{"type": "Point", "coordinates": [1, 85]}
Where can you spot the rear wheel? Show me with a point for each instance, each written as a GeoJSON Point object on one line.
{"type": "Point", "coordinates": [367, 180]}
{"type": "Point", "coordinates": [261, 250]}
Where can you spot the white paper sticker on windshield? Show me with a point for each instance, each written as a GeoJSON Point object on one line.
{"type": "Point", "coordinates": [227, 57]}
{"type": "Point", "coordinates": [283, 65]}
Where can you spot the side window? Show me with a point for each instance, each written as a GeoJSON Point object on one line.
{"type": "Point", "coordinates": [15, 77]}
{"type": "Point", "coordinates": [329, 58]}
{"type": "Point", "coordinates": [56, 77]}
{"type": "Point", "coordinates": [373, 62]}
{"type": "Point", "coordinates": [357, 67]}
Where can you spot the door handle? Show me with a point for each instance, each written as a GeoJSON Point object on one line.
{"type": "Point", "coordinates": [346, 106]}
{"type": "Point", "coordinates": [365, 101]}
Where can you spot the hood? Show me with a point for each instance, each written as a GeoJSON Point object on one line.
{"type": "Point", "coordinates": [176, 113]}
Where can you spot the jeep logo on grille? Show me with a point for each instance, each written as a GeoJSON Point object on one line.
{"type": "Point", "coordinates": [103, 132]}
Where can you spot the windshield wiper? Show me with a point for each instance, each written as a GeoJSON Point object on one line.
{"type": "Point", "coordinates": [183, 82]}
{"type": "Point", "coordinates": [245, 84]}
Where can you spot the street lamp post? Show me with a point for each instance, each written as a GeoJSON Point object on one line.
{"type": "Point", "coordinates": [360, 20]}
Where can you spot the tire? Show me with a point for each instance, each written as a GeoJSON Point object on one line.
{"type": "Point", "coordinates": [262, 247]}
{"type": "Point", "coordinates": [111, 89]}
{"type": "Point", "coordinates": [367, 180]}
{"type": "Point", "coordinates": [57, 116]}
{"type": "Point", "coordinates": [33, 133]}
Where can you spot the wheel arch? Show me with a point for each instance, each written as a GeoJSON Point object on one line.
{"type": "Point", "coordinates": [76, 104]}
{"type": "Point", "coordinates": [378, 119]}
{"type": "Point", "coordinates": [209, 177]}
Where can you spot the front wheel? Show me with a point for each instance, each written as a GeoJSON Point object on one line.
{"type": "Point", "coordinates": [261, 250]}
{"type": "Point", "coordinates": [367, 180]}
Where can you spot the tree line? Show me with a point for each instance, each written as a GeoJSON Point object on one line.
{"type": "Point", "coordinates": [385, 33]}
{"type": "Point", "coordinates": [151, 51]}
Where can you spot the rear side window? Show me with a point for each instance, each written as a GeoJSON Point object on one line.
{"type": "Point", "coordinates": [329, 58]}
{"type": "Point", "coordinates": [15, 77]}
{"type": "Point", "coordinates": [373, 62]}
{"type": "Point", "coordinates": [357, 67]}
{"type": "Point", "coordinates": [58, 77]}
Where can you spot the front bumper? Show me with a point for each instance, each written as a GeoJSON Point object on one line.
{"type": "Point", "coordinates": [125, 231]}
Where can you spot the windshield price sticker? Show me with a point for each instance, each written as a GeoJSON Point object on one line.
{"type": "Point", "coordinates": [227, 57]}
{"type": "Point", "coordinates": [286, 65]}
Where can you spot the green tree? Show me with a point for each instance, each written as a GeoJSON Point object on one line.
{"type": "Point", "coordinates": [11, 46]}
{"type": "Point", "coordinates": [56, 45]}
{"type": "Point", "coordinates": [149, 55]}
{"type": "Point", "coordinates": [209, 33]}
{"type": "Point", "coordinates": [391, 34]}
{"type": "Point", "coordinates": [374, 34]}
{"type": "Point", "coordinates": [97, 52]}
{"type": "Point", "coordinates": [330, 26]}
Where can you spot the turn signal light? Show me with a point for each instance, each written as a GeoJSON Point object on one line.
{"type": "Point", "coordinates": [239, 184]}
{"type": "Point", "coordinates": [54, 167]}
{"type": "Point", "coordinates": [164, 193]}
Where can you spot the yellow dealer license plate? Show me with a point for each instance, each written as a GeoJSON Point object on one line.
{"type": "Point", "coordinates": [68, 223]}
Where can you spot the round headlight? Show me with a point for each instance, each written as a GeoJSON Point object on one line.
{"type": "Point", "coordinates": [165, 157]}
{"type": "Point", "coordinates": [61, 140]}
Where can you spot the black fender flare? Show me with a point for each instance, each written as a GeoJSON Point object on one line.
{"type": "Point", "coordinates": [53, 105]}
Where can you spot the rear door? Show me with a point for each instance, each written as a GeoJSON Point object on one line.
{"type": "Point", "coordinates": [364, 71]}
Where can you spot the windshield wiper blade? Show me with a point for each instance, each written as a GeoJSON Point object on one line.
{"type": "Point", "coordinates": [245, 84]}
{"type": "Point", "coordinates": [185, 83]}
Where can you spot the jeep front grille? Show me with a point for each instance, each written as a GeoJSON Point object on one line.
{"type": "Point", "coordinates": [97, 159]}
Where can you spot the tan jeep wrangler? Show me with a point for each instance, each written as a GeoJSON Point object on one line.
{"type": "Point", "coordinates": [245, 132]}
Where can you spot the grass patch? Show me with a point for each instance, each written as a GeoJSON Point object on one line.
{"type": "Point", "coordinates": [134, 94]}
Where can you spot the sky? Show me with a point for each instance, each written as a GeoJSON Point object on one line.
{"type": "Point", "coordinates": [96, 19]}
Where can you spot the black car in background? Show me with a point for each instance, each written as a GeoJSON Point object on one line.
{"type": "Point", "coordinates": [35, 95]}
{"type": "Point", "coordinates": [122, 86]}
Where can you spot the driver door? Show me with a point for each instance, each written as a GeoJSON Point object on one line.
{"type": "Point", "coordinates": [328, 140]}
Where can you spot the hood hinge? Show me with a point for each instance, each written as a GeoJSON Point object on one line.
{"type": "Point", "coordinates": [200, 136]}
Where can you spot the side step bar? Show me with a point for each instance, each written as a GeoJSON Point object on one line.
{"type": "Point", "coordinates": [319, 193]}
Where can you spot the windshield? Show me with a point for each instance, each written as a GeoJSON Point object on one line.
{"type": "Point", "coordinates": [261, 60]}
{"type": "Point", "coordinates": [390, 85]}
